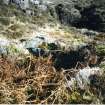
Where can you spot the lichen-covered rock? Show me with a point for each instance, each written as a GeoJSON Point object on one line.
{"type": "Point", "coordinates": [83, 76]}
{"type": "Point", "coordinates": [88, 32]}
{"type": "Point", "coordinates": [40, 44]}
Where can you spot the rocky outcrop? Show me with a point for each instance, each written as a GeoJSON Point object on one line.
{"type": "Point", "coordinates": [41, 45]}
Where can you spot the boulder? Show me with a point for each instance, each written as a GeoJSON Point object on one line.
{"type": "Point", "coordinates": [83, 78]}
{"type": "Point", "coordinates": [40, 45]}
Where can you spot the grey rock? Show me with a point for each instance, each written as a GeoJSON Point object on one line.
{"type": "Point", "coordinates": [83, 76]}
{"type": "Point", "coordinates": [88, 32]}
{"type": "Point", "coordinates": [34, 43]}
{"type": "Point", "coordinates": [6, 2]}
{"type": "Point", "coordinates": [3, 51]}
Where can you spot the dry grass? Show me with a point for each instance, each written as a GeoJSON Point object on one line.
{"type": "Point", "coordinates": [33, 81]}
{"type": "Point", "coordinates": [28, 81]}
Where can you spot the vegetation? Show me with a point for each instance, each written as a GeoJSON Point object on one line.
{"type": "Point", "coordinates": [101, 50]}
{"type": "Point", "coordinates": [31, 80]}
{"type": "Point", "coordinates": [26, 79]}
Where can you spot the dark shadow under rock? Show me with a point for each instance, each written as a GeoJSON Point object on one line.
{"type": "Point", "coordinates": [86, 55]}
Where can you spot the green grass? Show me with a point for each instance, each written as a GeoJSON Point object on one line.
{"type": "Point", "coordinates": [100, 50]}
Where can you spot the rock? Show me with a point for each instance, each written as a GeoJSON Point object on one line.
{"type": "Point", "coordinates": [6, 2]}
{"type": "Point", "coordinates": [34, 43]}
{"type": "Point", "coordinates": [40, 45]}
{"type": "Point", "coordinates": [3, 46]}
{"type": "Point", "coordinates": [78, 13]}
{"type": "Point", "coordinates": [11, 47]}
{"type": "Point", "coordinates": [71, 83]}
{"type": "Point", "coordinates": [3, 51]}
{"type": "Point", "coordinates": [36, 2]}
{"type": "Point", "coordinates": [4, 42]}
{"type": "Point", "coordinates": [88, 32]}
{"type": "Point", "coordinates": [43, 7]}
{"type": "Point", "coordinates": [83, 76]}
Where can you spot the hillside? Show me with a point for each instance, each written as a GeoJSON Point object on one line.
{"type": "Point", "coordinates": [52, 52]}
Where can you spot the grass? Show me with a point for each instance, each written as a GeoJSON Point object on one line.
{"type": "Point", "coordinates": [4, 21]}
{"type": "Point", "coordinates": [13, 35]}
{"type": "Point", "coordinates": [31, 80]}
{"type": "Point", "coordinates": [100, 49]}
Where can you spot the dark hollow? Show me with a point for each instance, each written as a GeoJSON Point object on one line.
{"type": "Point", "coordinates": [86, 55]}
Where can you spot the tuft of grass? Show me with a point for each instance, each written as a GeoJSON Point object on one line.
{"type": "Point", "coordinates": [4, 21]}
{"type": "Point", "coordinates": [100, 49]}
{"type": "Point", "coordinates": [13, 34]}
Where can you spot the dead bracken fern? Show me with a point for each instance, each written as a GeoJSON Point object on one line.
{"type": "Point", "coordinates": [33, 81]}
{"type": "Point", "coordinates": [28, 80]}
